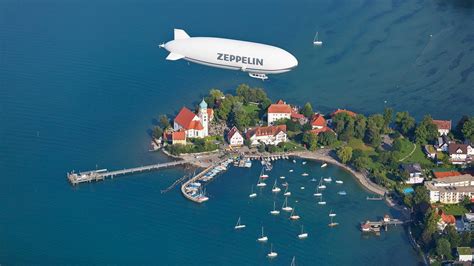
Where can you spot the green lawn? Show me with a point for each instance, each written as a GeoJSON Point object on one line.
{"type": "Point", "coordinates": [358, 144]}
{"type": "Point", "coordinates": [456, 210]}
{"type": "Point", "coordinates": [251, 108]}
{"type": "Point", "coordinates": [419, 157]}
{"type": "Point", "coordinates": [406, 148]}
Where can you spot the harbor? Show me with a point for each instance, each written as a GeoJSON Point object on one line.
{"type": "Point", "coordinates": [376, 226]}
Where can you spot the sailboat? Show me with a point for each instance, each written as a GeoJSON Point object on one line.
{"type": "Point", "coordinates": [252, 194]}
{"type": "Point", "coordinates": [263, 238]}
{"type": "Point", "coordinates": [332, 224]}
{"type": "Point", "coordinates": [291, 170]}
{"type": "Point", "coordinates": [316, 41]}
{"type": "Point", "coordinates": [263, 176]}
{"type": "Point", "coordinates": [293, 261]}
{"type": "Point", "coordinates": [321, 202]}
{"type": "Point", "coordinates": [327, 179]}
{"type": "Point", "coordinates": [324, 165]}
{"type": "Point", "coordinates": [317, 194]}
{"type": "Point", "coordinates": [294, 216]}
{"type": "Point", "coordinates": [321, 185]}
{"type": "Point", "coordinates": [282, 177]}
{"type": "Point", "coordinates": [303, 163]}
{"type": "Point", "coordinates": [274, 211]}
{"type": "Point", "coordinates": [272, 254]}
{"type": "Point", "coordinates": [339, 182]}
{"type": "Point", "coordinates": [314, 180]}
{"type": "Point", "coordinates": [287, 193]}
{"type": "Point", "coordinates": [239, 225]}
{"type": "Point", "coordinates": [305, 174]}
{"type": "Point", "coordinates": [260, 182]}
{"type": "Point", "coordinates": [285, 206]}
{"type": "Point", "coordinates": [275, 189]}
{"type": "Point", "coordinates": [294, 161]}
{"type": "Point", "coordinates": [303, 235]}
{"type": "Point", "coordinates": [331, 214]}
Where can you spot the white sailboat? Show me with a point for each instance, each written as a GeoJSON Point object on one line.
{"type": "Point", "coordinates": [262, 238]}
{"type": "Point", "coordinates": [332, 214]}
{"type": "Point", "coordinates": [314, 180]}
{"type": "Point", "coordinates": [342, 193]}
{"type": "Point", "coordinates": [239, 225]}
{"type": "Point", "coordinates": [282, 177]}
{"type": "Point", "coordinates": [263, 176]}
{"type": "Point", "coordinates": [339, 182]}
{"type": "Point", "coordinates": [321, 185]}
{"type": "Point", "coordinates": [327, 179]}
{"type": "Point", "coordinates": [285, 206]}
{"type": "Point", "coordinates": [316, 40]}
{"type": "Point", "coordinates": [332, 223]}
{"type": "Point", "coordinates": [291, 170]}
{"type": "Point", "coordinates": [303, 163]}
{"type": "Point", "coordinates": [293, 261]}
{"type": "Point", "coordinates": [287, 193]}
{"type": "Point", "coordinates": [321, 202]}
{"type": "Point", "coordinates": [274, 211]}
{"type": "Point", "coordinates": [294, 161]}
{"type": "Point", "coordinates": [305, 174]}
{"type": "Point", "coordinates": [302, 235]}
{"type": "Point", "coordinates": [252, 194]}
{"type": "Point", "coordinates": [324, 165]}
{"type": "Point", "coordinates": [272, 253]}
{"type": "Point", "coordinates": [260, 182]}
{"type": "Point", "coordinates": [275, 188]}
{"type": "Point", "coordinates": [294, 216]}
{"type": "Point", "coordinates": [317, 194]}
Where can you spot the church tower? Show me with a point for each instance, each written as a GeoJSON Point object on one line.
{"type": "Point", "coordinates": [204, 117]}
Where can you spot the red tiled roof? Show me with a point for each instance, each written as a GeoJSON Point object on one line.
{"type": "Point", "coordinates": [318, 121]}
{"type": "Point", "coordinates": [296, 115]}
{"type": "Point", "coordinates": [232, 132]}
{"type": "Point", "coordinates": [446, 174]}
{"type": "Point", "coordinates": [266, 131]}
{"type": "Point", "coordinates": [449, 219]}
{"type": "Point", "coordinates": [443, 124]}
{"type": "Point", "coordinates": [185, 117]}
{"type": "Point", "coordinates": [280, 102]}
{"type": "Point", "coordinates": [210, 112]}
{"type": "Point", "coordinates": [320, 130]}
{"type": "Point", "coordinates": [178, 135]}
{"type": "Point", "coordinates": [338, 111]}
{"type": "Point", "coordinates": [280, 108]}
{"type": "Point", "coordinates": [195, 125]}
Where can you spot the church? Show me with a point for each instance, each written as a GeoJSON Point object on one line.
{"type": "Point", "coordinates": [195, 125]}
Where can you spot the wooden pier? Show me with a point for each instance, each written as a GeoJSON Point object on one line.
{"type": "Point", "coordinates": [98, 175]}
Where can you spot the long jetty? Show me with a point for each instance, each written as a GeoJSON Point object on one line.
{"type": "Point", "coordinates": [102, 174]}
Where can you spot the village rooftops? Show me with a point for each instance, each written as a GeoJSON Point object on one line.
{"type": "Point", "coordinates": [318, 121]}
{"type": "Point", "coordinates": [279, 107]}
{"type": "Point", "coordinates": [266, 131]}
{"type": "Point", "coordinates": [186, 119]}
{"type": "Point", "coordinates": [440, 175]}
{"type": "Point", "coordinates": [454, 179]}
{"type": "Point", "coordinates": [232, 132]}
{"type": "Point", "coordinates": [453, 148]}
{"type": "Point", "coordinates": [443, 124]}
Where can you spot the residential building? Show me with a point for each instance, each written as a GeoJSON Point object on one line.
{"type": "Point", "coordinates": [444, 126]}
{"type": "Point", "coordinates": [464, 254]}
{"type": "Point", "coordinates": [445, 220]}
{"type": "Point", "coordinates": [175, 137]}
{"type": "Point", "coordinates": [414, 173]}
{"type": "Point", "coordinates": [272, 135]}
{"type": "Point", "coordinates": [460, 153]}
{"type": "Point", "coordinates": [318, 121]}
{"type": "Point", "coordinates": [235, 138]}
{"type": "Point", "coordinates": [451, 189]}
{"type": "Point", "coordinates": [468, 222]}
{"type": "Point", "coordinates": [442, 143]}
{"type": "Point", "coordinates": [430, 151]}
{"type": "Point", "coordinates": [300, 118]}
{"type": "Point", "coordinates": [195, 125]}
{"type": "Point", "coordinates": [445, 174]}
{"type": "Point", "coordinates": [277, 111]}
{"type": "Point", "coordinates": [339, 111]}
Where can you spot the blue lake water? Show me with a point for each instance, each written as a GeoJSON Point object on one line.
{"type": "Point", "coordinates": [82, 81]}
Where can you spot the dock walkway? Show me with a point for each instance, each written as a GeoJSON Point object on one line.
{"type": "Point", "coordinates": [98, 175]}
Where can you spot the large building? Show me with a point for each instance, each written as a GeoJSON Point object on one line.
{"type": "Point", "coordinates": [277, 111]}
{"type": "Point", "coordinates": [271, 135]}
{"type": "Point", "coordinates": [413, 172]}
{"type": "Point", "coordinates": [235, 138]}
{"type": "Point", "coordinates": [195, 125]}
{"type": "Point", "coordinates": [444, 126]}
{"type": "Point", "coordinates": [451, 189]}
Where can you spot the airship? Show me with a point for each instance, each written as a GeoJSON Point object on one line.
{"type": "Point", "coordinates": [254, 58]}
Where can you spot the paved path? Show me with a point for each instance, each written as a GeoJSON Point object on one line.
{"type": "Point", "coordinates": [412, 151]}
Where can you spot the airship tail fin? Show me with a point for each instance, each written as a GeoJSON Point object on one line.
{"type": "Point", "coordinates": [174, 56]}
{"type": "Point", "coordinates": [180, 34]}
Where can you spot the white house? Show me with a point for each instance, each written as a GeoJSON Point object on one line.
{"type": "Point", "coordinates": [271, 135]}
{"type": "Point", "coordinates": [195, 126]}
{"type": "Point", "coordinates": [464, 254]}
{"type": "Point", "coordinates": [468, 222]}
{"type": "Point", "coordinates": [452, 189]}
{"type": "Point", "coordinates": [414, 172]}
{"type": "Point", "coordinates": [277, 111]}
{"type": "Point", "coordinates": [460, 153]}
{"type": "Point", "coordinates": [235, 138]}
{"type": "Point", "coordinates": [442, 143]}
{"type": "Point", "coordinates": [444, 126]}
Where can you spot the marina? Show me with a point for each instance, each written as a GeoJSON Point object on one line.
{"type": "Point", "coordinates": [376, 226]}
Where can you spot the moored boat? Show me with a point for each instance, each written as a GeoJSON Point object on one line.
{"type": "Point", "coordinates": [239, 225]}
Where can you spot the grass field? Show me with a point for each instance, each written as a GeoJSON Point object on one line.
{"type": "Point", "coordinates": [456, 210]}
{"type": "Point", "coordinates": [419, 157]}
{"type": "Point", "coordinates": [358, 144]}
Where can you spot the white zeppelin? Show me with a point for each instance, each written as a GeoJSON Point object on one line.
{"type": "Point", "coordinates": [255, 58]}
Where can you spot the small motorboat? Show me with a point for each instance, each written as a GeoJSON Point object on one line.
{"type": "Point", "coordinates": [327, 179]}
{"type": "Point", "coordinates": [339, 182]}
{"type": "Point", "coordinates": [324, 165]}
{"type": "Point", "coordinates": [282, 177]}
{"type": "Point", "coordinates": [305, 174]}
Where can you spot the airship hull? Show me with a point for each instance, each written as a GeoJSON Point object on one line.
{"type": "Point", "coordinates": [230, 54]}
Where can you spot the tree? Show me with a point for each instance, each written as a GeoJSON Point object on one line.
{"type": "Point", "coordinates": [360, 125]}
{"type": "Point", "coordinates": [421, 195]}
{"type": "Point", "coordinates": [261, 148]}
{"type": "Point", "coordinates": [453, 237]}
{"type": "Point", "coordinates": [214, 96]}
{"type": "Point", "coordinates": [310, 140]}
{"type": "Point", "coordinates": [387, 118]}
{"type": "Point", "coordinates": [238, 117]}
{"type": "Point", "coordinates": [373, 137]}
{"type": "Point", "coordinates": [361, 163]}
{"type": "Point", "coordinates": [468, 130]}
{"type": "Point", "coordinates": [327, 138]}
{"type": "Point", "coordinates": [404, 122]}
{"type": "Point", "coordinates": [344, 154]}
{"type": "Point", "coordinates": [164, 121]}
{"type": "Point", "coordinates": [376, 122]}
{"type": "Point", "coordinates": [426, 131]}
{"type": "Point", "coordinates": [307, 110]}
{"type": "Point", "coordinates": [157, 132]}
{"type": "Point", "coordinates": [443, 248]}
{"type": "Point", "coordinates": [429, 224]}
{"type": "Point", "coordinates": [466, 239]}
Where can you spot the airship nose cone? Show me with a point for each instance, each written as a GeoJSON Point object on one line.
{"type": "Point", "coordinates": [293, 62]}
